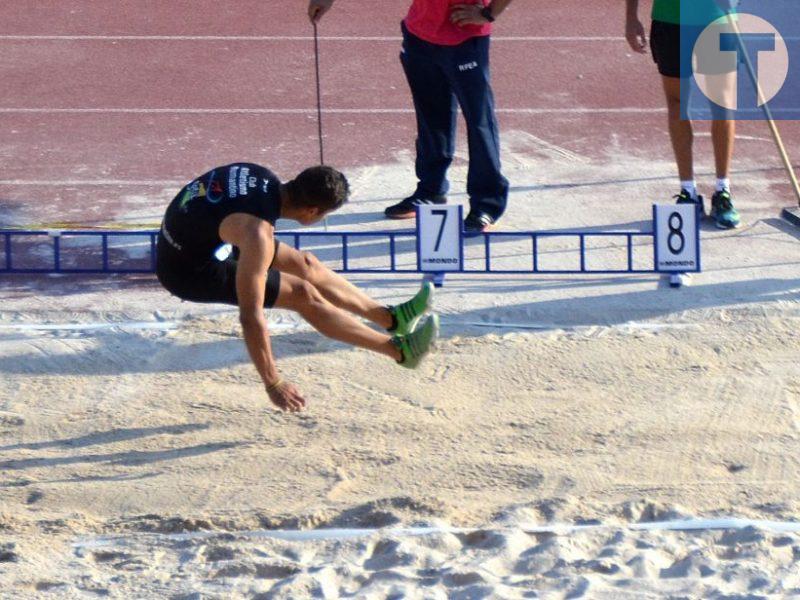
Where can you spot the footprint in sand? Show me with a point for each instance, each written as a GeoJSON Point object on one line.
{"type": "Point", "coordinates": [7, 553]}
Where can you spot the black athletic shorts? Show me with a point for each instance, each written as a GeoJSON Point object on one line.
{"type": "Point", "coordinates": [214, 281]}
{"type": "Point", "coordinates": [665, 45]}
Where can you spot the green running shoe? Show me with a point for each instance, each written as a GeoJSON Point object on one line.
{"type": "Point", "coordinates": [408, 313]}
{"type": "Point", "coordinates": [415, 345]}
{"type": "Point", "coordinates": [723, 212]}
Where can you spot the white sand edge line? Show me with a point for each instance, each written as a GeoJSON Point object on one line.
{"type": "Point", "coordinates": [161, 325]}
{"type": "Point", "coordinates": [292, 38]}
{"type": "Point", "coordinates": [302, 326]}
{"type": "Point", "coordinates": [309, 111]}
{"type": "Point", "coordinates": [82, 182]}
{"type": "Point", "coordinates": [305, 38]}
{"type": "Point", "coordinates": [567, 327]}
{"type": "Point", "coordinates": [142, 325]}
{"type": "Point", "coordinates": [295, 535]}
{"type": "Point", "coordinates": [486, 325]}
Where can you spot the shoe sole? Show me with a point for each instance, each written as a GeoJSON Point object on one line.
{"type": "Point", "coordinates": [431, 346]}
{"type": "Point", "coordinates": [408, 215]}
{"type": "Point", "coordinates": [412, 325]}
{"type": "Point", "coordinates": [431, 290]}
{"type": "Point", "coordinates": [722, 226]}
{"type": "Point", "coordinates": [486, 229]}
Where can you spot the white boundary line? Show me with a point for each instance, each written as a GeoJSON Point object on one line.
{"type": "Point", "coordinates": [284, 38]}
{"type": "Point", "coordinates": [97, 182]}
{"type": "Point", "coordinates": [300, 38]}
{"type": "Point", "coordinates": [679, 525]}
{"type": "Point", "coordinates": [123, 325]}
{"type": "Point", "coordinates": [308, 111]}
{"type": "Point", "coordinates": [159, 325]}
{"type": "Point", "coordinates": [622, 110]}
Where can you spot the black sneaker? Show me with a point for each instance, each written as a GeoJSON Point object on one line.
{"type": "Point", "coordinates": [686, 198]}
{"type": "Point", "coordinates": [407, 208]}
{"type": "Point", "coordinates": [476, 223]}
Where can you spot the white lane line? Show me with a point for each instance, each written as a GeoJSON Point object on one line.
{"type": "Point", "coordinates": [310, 111]}
{"type": "Point", "coordinates": [95, 182]}
{"type": "Point", "coordinates": [286, 38]}
{"type": "Point", "coordinates": [623, 327]}
{"type": "Point", "coordinates": [303, 38]}
{"type": "Point", "coordinates": [158, 325]}
{"type": "Point", "coordinates": [556, 528]}
{"type": "Point", "coordinates": [128, 325]}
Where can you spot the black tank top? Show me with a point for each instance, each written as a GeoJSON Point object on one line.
{"type": "Point", "coordinates": [191, 223]}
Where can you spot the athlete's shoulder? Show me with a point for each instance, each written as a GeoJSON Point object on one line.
{"type": "Point", "coordinates": [264, 172]}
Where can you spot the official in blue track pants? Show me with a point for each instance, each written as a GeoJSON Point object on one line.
{"type": "Point", "coordinates": [442, 78]}
{"type": "Point", "coordinates": [445, 56]}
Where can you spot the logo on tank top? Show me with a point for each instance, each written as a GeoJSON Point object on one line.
{"type": "Point", "coordinates": [232, 186]}
{"type": "Point", "coordinates": [468, 66]}
{"type": "Point", "coordinates": [214, 192]}
{"type": "Point", "coordinates": [211, 191]}
{"type": "Point", "coordinates": [240, 181]}
{"type": "Point", "coordinates": [196, 189]}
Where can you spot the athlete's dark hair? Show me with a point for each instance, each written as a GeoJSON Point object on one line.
{"type": "Point", "coordinates": [319, 187]}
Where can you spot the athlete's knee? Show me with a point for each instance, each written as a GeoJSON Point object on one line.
{"type": "Point", "coordinates": [672, 93]}
{"type": "Point", "coordinates": [312, 266]}
{"type": "Point", "coordinates": [673, 102]}
{"type": "Point", "coordinates": [305, 295]}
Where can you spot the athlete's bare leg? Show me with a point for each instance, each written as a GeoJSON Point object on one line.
{"type": "Point", "coordinates": [723, 128]}
{"type": "Point", "coordinates": [306, 299]}
{"type": "Point", "coordinates": [680, 131]}
{"type": "Point", "coordinates": [333, 287]}
{"type": "Point", "coordinates": [723, 134]}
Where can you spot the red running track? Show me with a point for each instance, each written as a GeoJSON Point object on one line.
{"type": "Point", "coordinates": [106, 106]}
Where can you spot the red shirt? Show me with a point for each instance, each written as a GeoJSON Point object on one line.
{"type": "Point", "coordinates": [430, 21]}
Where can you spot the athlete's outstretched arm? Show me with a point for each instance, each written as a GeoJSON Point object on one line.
{"type": "Point", "coordinates": [255, 239]}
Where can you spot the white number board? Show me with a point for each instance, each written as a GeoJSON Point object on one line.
{"type": "Point", "coordinates": [439, 245]}
{"type": "Point", "coordinates": [677, 238]}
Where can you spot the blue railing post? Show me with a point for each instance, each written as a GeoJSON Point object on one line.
{"type": "Point", "coordinates": [57, 251]}
{"type": "Point", "coordinates": [8, 251]}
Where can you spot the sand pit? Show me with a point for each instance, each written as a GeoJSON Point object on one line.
{"type": "Point", "coordinates": [139, 456]}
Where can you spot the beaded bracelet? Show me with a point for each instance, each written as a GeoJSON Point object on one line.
{"type": "Point", "coordinates": [274, 386]}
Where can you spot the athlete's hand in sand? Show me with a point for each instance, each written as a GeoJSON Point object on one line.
{"type": "Point", "coordinates": [286, 397]}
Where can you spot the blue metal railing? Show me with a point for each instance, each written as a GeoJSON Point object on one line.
{"type": "Point", "coordinates": [40, 251]}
